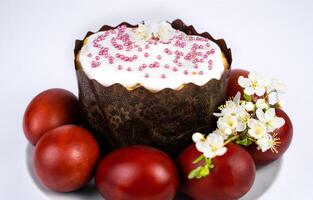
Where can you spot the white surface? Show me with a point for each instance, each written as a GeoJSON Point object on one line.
{"type": "Point", "coordinates": [36, 53]}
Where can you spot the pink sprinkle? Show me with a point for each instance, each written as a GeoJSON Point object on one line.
{"type": "Point", "coordinates": [146, 75]}
{"type": "Point", "coordinates": [180, 64]}
{"type": "Point", "coordinates": [163, 76]}
{"type": "Point", "coordinates": [128, 48]}
{"type": "Point", "coordinates": [200, 72]}
{"type": "Point", "coordinates": [119, 67]}
{"type": "Point", "coordinates": [146, 54]}
{"type": "Point", "coordinates": [205, 56]}
{"type": "Point", "coordinates": [175, 69]}
{"type": "Point", "coordinates": [89, 54]}
{"type": "Point", "coordinates": [129, 69]}
{"type": "Point", "coordinates": [95, 64]}
{"type": "Point", "coordinates": [147, 46]}
{"type": "Point", "coordinates": [111, 60]}
{"type": "Point", "coordinates": [156, 64]}
{"type": "Point", "coordinates": [207, 45]}
{"type": "Point", "coordinates": [135, 57]}
{"type": "Point", "coordinates": [97, 57]}
{"type": "Point", "coordinates": [144, 66]}
{"type": "Point", "coordinates": [139, 49]}
{"type": "Point", "coordinates": [196, 66]}
{"type": "Point", "coordinates": [166, 66]}
{"type": "Point", "coordinates": [210, 62]}
{"type": "Point", "coordinates": [186, 72]}
{"type": "Point", "coordinates": [159, 57]}
{"type": "Point", "coordinates": [212, 51]}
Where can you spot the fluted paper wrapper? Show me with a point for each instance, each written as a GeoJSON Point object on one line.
{"type": "Point", "coordinates": [165, 119]}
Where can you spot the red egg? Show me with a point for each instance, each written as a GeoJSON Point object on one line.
{"type": "Point", "coordinates": [65, 158]}
{"type": "Point", "coordinates": [137, 173]}
{"type": "Point", "coordinates": [48, 110]}
{"type": "Point", "coordinates": [284, 134]}
{"type": "Point", "coordinates": [233, 86]}
{"type": "Point", "coordinates": [232, 176]}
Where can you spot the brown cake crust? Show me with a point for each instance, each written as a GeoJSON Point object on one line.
{"type": "Point", "coordinates": [165, 119]}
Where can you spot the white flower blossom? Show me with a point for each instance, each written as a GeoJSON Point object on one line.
{"type": "Point", "coordinates": [269, 118]}
{"type": "Point", "coordinates": [249, 106]}
{"type": "Point", "coordinates": [200, 141]}
{"type": "Point", "coordinates": [165, 31]}
{"type": "Point", "coordinates": [257, 129]}
{"type": "Point", "coordinates": [268, 142]}
{"type": "Point", "coordinates": [233, 107]}
{"type": "Point", "coordinates": [211, 146]}
{"type": "Point", "coordinates": [262, 104]}
{"type": "Point", "coordinates": [276, 85]}
{"type": "Point", "coordinates": [254, 84]}
{"type": "Point", "coordinates": [223, 132]}
{"type": "Point", "coordinates": [230, 124]}
{"type": "Point", "coordinates": [142, 32]}
{"type": "Point", "coordinates": [161, 30]}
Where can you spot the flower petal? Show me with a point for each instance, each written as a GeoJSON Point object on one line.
{"type": "Point", "coordinates": [244, 82]}
{"type": "Point", "coordinates": [278, 122]}
{"type": "Point", "coordinates": [270, 114]}
{"type": "Point", "coordinates": [198, 137]}
{"type": "Point", "coordinates": [209, 154]}
{"type": "Point", "coordinates": [218, 114]}
{"type": "Point", "coordinates": [259, 90]}
{"type": "Point", "coordinates": [202, 146]}
{"type": "Point", "coordinates": [237, 98]}
{"type": "Point", "coordinates": [252, 76]}
{"type": "Point", "coordinates": [249, 106]}
{"type": "Point", "coordinates": [241, 127]}
{"type": "Point", "coordinates": [260, 115]}
{"type": "Point", "coordinates": [221, 151]}
{"type": "Point", "coordinates": [249, 91]}
{"type": "Point", "coordinates": [251, 123]}
{"type": "Point", "coordinates": [213, 139]}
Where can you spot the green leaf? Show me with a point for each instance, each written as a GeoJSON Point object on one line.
{"type": "Point", "coordinates": [244, 141]}
{"type": "Point", "coordinates": [196, 173]}
{"type": "Point", "coordinates": [247, 97]}
{"type": "Point", "coordinates": [201, 171]}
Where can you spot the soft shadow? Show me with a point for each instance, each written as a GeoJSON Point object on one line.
{"type": "Point", "coordinates": [181, 196]}
{"type": "Point", "coordinates": [88, 192]}
{"type": "Point", "coordinates": [265, 177]}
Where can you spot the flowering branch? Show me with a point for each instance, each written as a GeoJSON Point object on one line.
{"type": "Point", "coordinates": [248, 121]}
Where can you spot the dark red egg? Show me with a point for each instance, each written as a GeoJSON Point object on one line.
{"type": "Point", "coordinates": [65, 158]}
{"type": "Point", "coordinates": [232, 176]}
{"type": "Point", "coordinates": [233, 86]}
{"type": "Point", "coordinates": [48, 110]}
{"type": "Point", "coordinates": [137, 173]}
{"type": "Point", "coordinates": [285, 134]}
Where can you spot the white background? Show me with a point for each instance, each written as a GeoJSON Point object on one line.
{"type": "Point", "coordinates": [274, 37]}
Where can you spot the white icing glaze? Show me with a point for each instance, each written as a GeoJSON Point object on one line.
{"type": "Point", "coordinates": [154, 56]}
